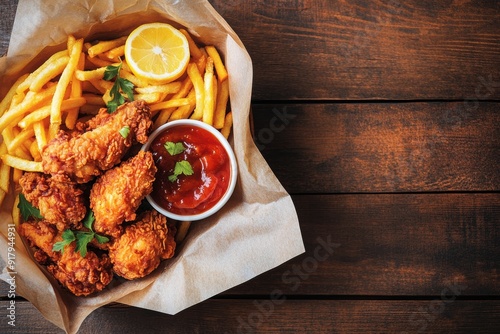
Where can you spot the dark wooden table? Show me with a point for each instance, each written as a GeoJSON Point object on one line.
{"type": "Point", "coordinates": [382, 120]}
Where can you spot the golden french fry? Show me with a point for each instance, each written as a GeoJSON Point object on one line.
{"type": "Point", "coordinates": [149, 97]}
{"type": "Point", "coordinates": [201, 63]}
{"type": "Point", "coordinates": [163, 117]}
{"type": "Point", "coordinates": [199, 89]}
{"type": "Point", "coordinates": [50, 72]}
{"type": "Point", "coordinates": [28, 81]}
{"type": "Point", "coordinates": [115, 53]}
{"type": "Point", "coordinates": [185, 111]}
{"type": "Point", "coordinates": [22, 164]}
{"type": "Point", "coordinates": [186, 87]}
{"type": "Point", "coordinates": [16, 99]}
{"type": "Point", "coordinates": [219, 65]}
{"type": "Point", "coordinates": [6, 101]}
{"type": "Point", "coordinates": [193, 48]}
{"type": "Point", "coordinates": [228, 123]}
{"type": "Point", "coordinates": [53, 130]}
{"type": "Point", "coordinates": [19, 139]}
{"type": "Point", "coordinates": [102, 56]}
{"type": "Point", "coordinates": [102, 85]}
{"type": "Point", "coordinates": [182, 231]}
{"type": "Point", "coordinates": [133, 79]}
{"type": "Point", "coordinates": [4, 171]}
{"type": "Point", "coordinates": [221, 105]}
{"type": "Point", "coordinates": [34, 151]}
{"type": "Point", "coordinates": [64, 80]}
{"type": "Point", "coordinates": [169, 104]}
{"type": "Point", "coordinates": [30, 102]}
{"type": "Point", "coordinates": [70, 42]}
{"type": "Point", "coordinates": [97, 62]}
{"type": "Point", "coordinates": [170, 88]}
{"type": "Point", "coordinates": [88, 87]}
{"type": "Point", "coordinates": [91, 75]}
{"type": "Point", "coordinates": [76, 91]}
{"type": "Point", "coordinates": [44, 112]}
{"type": "Point", "coordinates": [16, 175]}
{"type": "Point", "coordinates": [209, 101]}
{"type": "Point", "coordinates": [8, 135]}
{"type": "Point", "coordinates": [104, 46]}
{"type": "Point", "coordinates": [94, 99]}
{"type": "Point", "coordinates": [40, 134]}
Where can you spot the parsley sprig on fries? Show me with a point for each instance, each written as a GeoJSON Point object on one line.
{"type": "Point", "coordinates": [120, 85]}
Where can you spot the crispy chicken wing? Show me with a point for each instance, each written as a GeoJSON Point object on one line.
{"type": "Point", "coordinates": [139, 250]}
{"type": "Point", "coordinates": [117, 194]}
{"type": "Point", "coordinates": [97, 145]}
{"type": "Point", "coordinates": [60, 201]}
{"type": "Point", "coordinates": [82, 275]}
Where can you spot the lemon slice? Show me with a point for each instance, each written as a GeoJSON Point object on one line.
{"type": "Point", "coordinates": [157, 52]}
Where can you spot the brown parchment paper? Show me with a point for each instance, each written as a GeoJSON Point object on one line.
{"type": "Point", "coordinates": [256, 231]}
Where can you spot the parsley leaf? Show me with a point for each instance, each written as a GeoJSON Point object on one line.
{"type": "Point", "coordinates": [89, 220]}
{"type": "Point", "coordinates": [82, 237]}
{"type": "Point", "coordinates": [174, 148]}
{"type": "Point", "coordinates": [125, 131]}
{"type": "Point", "coordinates": [120, 85]}
{"type": "Point", "coordinates": [181, 167]}
{"type": "Point", "coordinates": [68, 237]}
{"type": "Point", "coordinates": [28, 210]}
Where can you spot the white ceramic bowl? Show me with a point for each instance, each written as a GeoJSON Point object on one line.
{"type": "Point", "coordinates": [233, 170]}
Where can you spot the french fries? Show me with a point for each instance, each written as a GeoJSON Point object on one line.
{"type": "Point", "coordinates": [70, 87]}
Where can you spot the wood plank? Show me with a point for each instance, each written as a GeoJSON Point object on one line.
{"type": "Point", "coordinates": [280, 315]}
{"type": "Point", "coordinates": [390, 245]}
{"type": "Point", "coordinates": [382, 49]}
{"type": "Point", "coordinates": [7, 14]}
{"type": "Point", "coordinates": [381, 147]}
{"type": "Point", "coordinates": [353, 50]}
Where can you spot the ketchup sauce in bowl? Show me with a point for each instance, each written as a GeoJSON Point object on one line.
{"type": "Point", "coordinates": [196, 170]}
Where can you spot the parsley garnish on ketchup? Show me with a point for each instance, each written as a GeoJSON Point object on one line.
{"type": "Point", "coordinates": [193, 170]}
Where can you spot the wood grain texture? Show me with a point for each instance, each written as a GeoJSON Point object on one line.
{"type": "Point", "coordinates": [389, 245]}
{"type": "Point", "coordinates": [394, 244]}
{"type": "Point", "coordinates": [354, 50]}
{"type": "Point", "coordinates": [283, 316]}
{"type": "Point", "coordinates": [7, 11]}
{"type": "Point", "coordinates": [377, 147]}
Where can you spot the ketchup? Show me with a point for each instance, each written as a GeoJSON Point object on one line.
{"type": "Point", "coordinates": [196, 193]}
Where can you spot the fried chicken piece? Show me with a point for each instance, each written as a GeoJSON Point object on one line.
{"type": "Point", "coordinates": [142, 246]}
{"type": "Point", "coordinates": [97, 145]}
{"type": "Point", "coordinates": [41, 235]}
{"type": "Point", "coordinates": [117, 194]}
{"type": "Point", "coordinates": [82, 275]}
{"type": "Point", "coordinates": [60, 202]}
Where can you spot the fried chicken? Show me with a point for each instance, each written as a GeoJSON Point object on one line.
{"type": "Point", "coordinates": [82, 275]}
{"type": "Point", "coordinates": [117, 194]}
{"type": "Point", "coordinates": [99, 144]}
{"type": "Point", "coordinates": [142, 246]}
{"type": "Point", "coordinates": [60, 202]}
{"type": "Point", "coordinates": [41, 235]}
